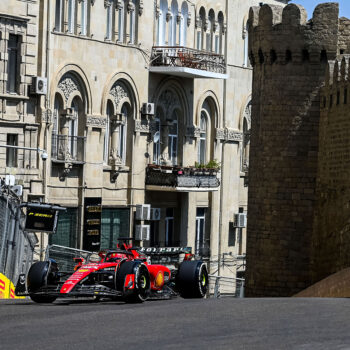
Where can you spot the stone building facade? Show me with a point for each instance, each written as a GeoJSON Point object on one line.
{"type": "Point", "coordinates": [102, 67]}
{"type": "Point", "coordinates": [298, 157]}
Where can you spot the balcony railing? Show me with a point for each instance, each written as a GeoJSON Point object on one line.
{"type": "Point", "coordinates": [67, 148]}
{"type": "Point", "coordinates": [179, 56]}
{"type": "Point", "coordinates": [182, 178]}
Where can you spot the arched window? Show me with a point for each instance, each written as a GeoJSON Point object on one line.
{"type": "Point", "coordinates": [133, 9]}
{"type": "Point", "coordinates": [183, 24]}
{"type": "Point", "coordinates": [109, 4]}
{"type": "Point", "coordinates": [59, 15]}
{"type": "Point", "coordinates": [173, 23]}
{"type": "Point", "coordinates": [125, 111]}
{"type": "Point", "coordinates": [163, 8]}
{"type": "Point", "coordinates": [245, 38]}
{"type": "Point", "coordinates": [221, 31]}
{"type": "Point", "coordinates": [172, 139]}
{"type": "Point", "coordinates": [71, 16]}
{"type": "Point", "coordinates": [121, 20]}
{"type": "Point", "coordinates": [157, 136]}
{"type": "Point", "coordinates": [210, 35]}
{"type": "Point", "coordinates": [201, 33]}
{"type": "Point", "coordinates": [246, 138]}
{"type": "Point", "coordinates": [202, 147]}
{"type": "Point", "coordinates": [73, 129]}
{"type": "Point", "coordinates": [55, 125]}
{"type": "Point", "coordinates": [106, 148]}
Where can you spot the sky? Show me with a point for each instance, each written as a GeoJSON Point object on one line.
{"type": "Point", "coordinates": [344, 6]}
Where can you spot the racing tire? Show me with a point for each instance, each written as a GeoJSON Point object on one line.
{"type": "Point", "coordinates": [192, 279]}
{"type": "Point", "coordinates": [37, 277]}
{"type": "Point", "coordinates": [142, 286]}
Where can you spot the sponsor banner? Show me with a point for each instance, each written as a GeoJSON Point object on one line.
{"type": "Point", "coordinates": [165, 250]}
{"type": "Point", "coordinates": [7, 289]}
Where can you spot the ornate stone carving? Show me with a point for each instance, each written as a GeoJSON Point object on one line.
{"type": "Point", "coordinates": [95, 121]}
{"type": "Point", "coordinates": [233, 135]}
{"type": "Point", "coordinates": [46, 116]}
{"type": "Point", "coordinates": [140, 8]}
{"type": "Point", "coordinates": [206, 24]}
{"type": "Point", "coordinates": [119, 4]}
{"type": "Point", "coordinates": [178, 18]}
{"type": "Point", "coordinates": [215, 26]}
{"type": "Point", "coordinates": [193, 131]}
{"type": "Point", "coordinates": [118, 92]}
{"type": "Point", "coordinates": [224, 28]}
{"type": "Point", "coordinates": [189, 19]}
{"type": "Point", "coordinates": [220, 134]}
{"type": "Point", "coordinates": [141, 127]}
{"type": "Point", "coordinates": [131, 7]}
{"type": "Point", "coordinates": [198, 22]}
{"type": "Point", "coordinates": [169, 15]}
{"type": "Point", "coordinates": [108, 3]}
{"type": "Point", "coordinates": [67, 86]}
{"type": "Point", "coordinates": [157, 12]}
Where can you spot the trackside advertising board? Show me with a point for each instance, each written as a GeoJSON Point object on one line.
{"type": "Point", "coordinates": [41, 219]}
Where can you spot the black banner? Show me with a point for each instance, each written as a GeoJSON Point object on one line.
{"type": "Point", "coordinates": [41, 219]}
{"type": "Point", "coordinates": [92, 223]}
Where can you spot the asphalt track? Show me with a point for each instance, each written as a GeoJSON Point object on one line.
{"type": "Point", "coordinates": [290, 323]}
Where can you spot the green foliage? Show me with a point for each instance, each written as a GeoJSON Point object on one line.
{"type": "Point", "coordinates": [212, 164]}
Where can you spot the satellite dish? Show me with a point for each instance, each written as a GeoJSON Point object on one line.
{"type": "Point", "coordinates": [156, 137]}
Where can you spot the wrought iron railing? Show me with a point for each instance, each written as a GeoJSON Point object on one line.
{"type": "Point", "coordinates": [179, 56]}
{"type": "Point", "coordinates": [159, 175]}
{"type": "Point", "coordinates": [67, 148]}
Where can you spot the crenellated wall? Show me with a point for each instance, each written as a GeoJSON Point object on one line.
{"type": "Point", "coordinates": [290, 58]}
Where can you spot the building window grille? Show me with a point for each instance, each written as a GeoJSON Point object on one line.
{"type": "Point", "coordinates": [13, 63]}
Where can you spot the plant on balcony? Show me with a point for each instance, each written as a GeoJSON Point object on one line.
{"type": "Point", "coordinates": [213, 166]}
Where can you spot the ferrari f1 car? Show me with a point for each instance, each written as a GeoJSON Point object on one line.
{"type": "Point", "coordinates": [125, 273]}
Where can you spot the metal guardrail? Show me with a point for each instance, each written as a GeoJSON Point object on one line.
{"type": "Point", "coordinates": [180, 56]}
{"type": "Point", "coordinates": [67, 148]}
{"type": "Point", "coordinates": [227, 286]}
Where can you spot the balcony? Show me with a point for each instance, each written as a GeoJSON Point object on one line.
{"type": "Point", "coordinates": [67, 149]}
{"type": "Point", "coordinates": [189, 63]}
{"type": "Point", "coordinates": [181, 179]}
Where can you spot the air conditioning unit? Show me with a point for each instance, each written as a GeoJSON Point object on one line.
{"type": "Point", "coordinates": [142, 232]}
{"type": "Point", "coordinates": [240, 220]}
{"type": "Point", "coordinates": [39, 86]}
{"type": "Point", "coordinates": [143, 212]}
{"type": "Point", "coordinates": [18, 190]}
{"type": "Point", "coordinates": [155, 214]}
{"type": "Point", "coordinates": [147, 108]}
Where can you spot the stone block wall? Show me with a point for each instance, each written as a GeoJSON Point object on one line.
{"type": "Point", "coordinates": [331, 243]}
{"type": "Point", "coordinates": [290, 57]}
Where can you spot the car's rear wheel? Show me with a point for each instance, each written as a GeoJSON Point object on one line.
{"type": "Point", "coordinates": [142, 281]}
{"type": "Point", "coordinates": [40, 273]}
{"type": "Point", "coordinates": [192, 279]}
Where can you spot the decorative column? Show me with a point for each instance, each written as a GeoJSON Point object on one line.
{"type": "Point", "coordinates": [63, 137]}
{"type": "Point", "coordinates": [115, 158]}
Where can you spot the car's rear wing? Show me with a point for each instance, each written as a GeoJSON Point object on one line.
{"type": "Point", "coordinates": [165, 255]}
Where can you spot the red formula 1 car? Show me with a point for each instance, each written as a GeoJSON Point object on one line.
{"type": "Point", "coordinates": [124, 273]}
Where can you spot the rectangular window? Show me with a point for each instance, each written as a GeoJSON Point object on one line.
{"type": "Point", "coordinates": [12, 63]}
{"type": "Point", "coordinates": [121, 24]}
{"type": "Point", "coordinates": [109, 29]}
{"type": "Point", "coordinates": [208, 41]}
{"type": "Point", "coordinates": [169, 227]}
{"type": "Point", "coordinates": [115, 224]}
{"type": "Point", "coordinates": [202, 233]}
{"type": "Point", "coordinates": [172, 143]}
{"type": "Point", "coordinates": [67, 229]}
{"type": "Point", "coordinates": [231, 235]}
{"type": "Point", "coordinates": [11, 153]}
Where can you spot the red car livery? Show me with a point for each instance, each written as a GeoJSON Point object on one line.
{"type": "Point", "coordinates": [124, 273]}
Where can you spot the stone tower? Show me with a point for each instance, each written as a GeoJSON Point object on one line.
{"type": "Point", "coordinates": [290, 58]}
